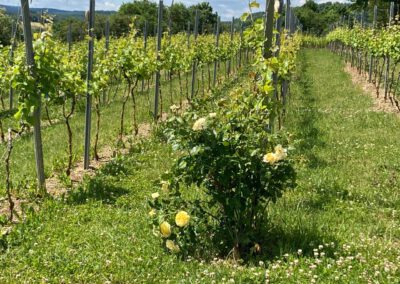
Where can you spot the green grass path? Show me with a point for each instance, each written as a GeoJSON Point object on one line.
{"type": "Point", "coordinates": [340, 225]}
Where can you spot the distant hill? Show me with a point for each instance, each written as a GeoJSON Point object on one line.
{"type": "Point", "coordinates": [60, 14]}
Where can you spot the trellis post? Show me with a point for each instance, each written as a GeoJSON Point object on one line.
{"type": "Point", "coordinates": [194, 67]}
{"type": "Point", "coordinates": [371, 59]}
{"type": "Point", "coordinates": [217, 33]}
{"type": "Point", "coordinates": [88, 111]}
{"type": "Point", "coordinates": [30, 61]}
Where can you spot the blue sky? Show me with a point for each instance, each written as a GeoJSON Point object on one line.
{"type": "Point", "coordinates": [226, 8]}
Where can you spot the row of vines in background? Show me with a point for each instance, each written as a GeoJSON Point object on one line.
{"type": "Point", "coordinates": [123, 73]}
{"type": "Point", "coordinates": [126, 72]}
{"type": "Point", "coordinates": [373, 51]}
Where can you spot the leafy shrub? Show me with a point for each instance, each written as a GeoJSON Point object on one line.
{"type": "Point", "coordinates": [236, 168]}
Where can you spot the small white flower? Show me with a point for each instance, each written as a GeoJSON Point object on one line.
{"type": "Point", "coordinates": [212, 115]}
{"type": "Point", "coordinates": [155, 195]}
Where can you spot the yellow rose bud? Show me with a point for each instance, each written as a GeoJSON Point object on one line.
{"type": "Point", "coordinates": [165, 229]}
{"type": "Point", "coordinates": [182, 219]}
{"type": "Point", "coordinates": [172, 246]}
{"type": "Point", "coordinates": [164, 186]}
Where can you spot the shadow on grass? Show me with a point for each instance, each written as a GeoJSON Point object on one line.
{"type": "Point", "coordinates": [308, 116]}
{"type": "Point", "coordinates": [96, 189]}
{"type": "Point", "coordinates": [280, 241]}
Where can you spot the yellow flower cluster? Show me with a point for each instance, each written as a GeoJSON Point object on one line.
{"type": "Point", "coordinates": [182, 219]}
{"type": "Point", "coordinates": [279, 155]}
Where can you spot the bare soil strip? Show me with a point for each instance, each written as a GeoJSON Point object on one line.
{"type": "Point", "coordinates": [380, 105]}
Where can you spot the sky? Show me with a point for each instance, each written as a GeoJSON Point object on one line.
{"type": "Point", "coordinates": [226, 8]}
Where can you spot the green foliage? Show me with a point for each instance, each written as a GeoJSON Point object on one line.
{"type": "Point", "coordinates": [5, 28]}
{"type": "Point", "coordinates": [223, 154]}
{"type": "Point", "coordinates": [317, 18]}
{"type": "Point", "coordinates": [378, 42]}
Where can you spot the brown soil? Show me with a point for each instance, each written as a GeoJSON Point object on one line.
{"type": "Point", "coordinates": [380, 105]}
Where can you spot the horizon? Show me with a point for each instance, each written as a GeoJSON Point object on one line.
{"type": "Point", "coordinates": [225, 8]}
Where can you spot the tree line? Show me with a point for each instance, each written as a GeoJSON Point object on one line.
{"type": "Point", "coordinates": [141, 13]}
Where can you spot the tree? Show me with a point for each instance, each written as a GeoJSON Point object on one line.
{"type": "Point", "coordinates": [180, 16]}
{"type": "Point", "coordinates": [78, 29]}
{"type": "Point", "coordinates": [141, 11]}
{"type": "Point", "coordinates": [5, 28]}
{"type": "Point", "coordinates": [207, 17]}
{"type": "Point", "coordinates": [317, 18]}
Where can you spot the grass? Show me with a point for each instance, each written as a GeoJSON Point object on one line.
{"type": "Point", "coordinates": [348, 180]}
{"type": "Point", "coordinates": [340, 225]}
{"type": "Point", "coordinates": [55, 137]}
{"type": "Point", "coordinates": [101, 233]}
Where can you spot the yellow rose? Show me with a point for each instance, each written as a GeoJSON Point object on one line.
{"type": "Point", "coordinates": [280, 152]}
{"type": "Point", "coordinates": [270, 158]}
{"type": "Point", "coordinates": [165, 229]}
{"type": "Point", "coordinates": [182, 219]}
{"type": "Point", "coordinates": [172, 246]}
{"type": "Point", "coordinates": [200, 124]}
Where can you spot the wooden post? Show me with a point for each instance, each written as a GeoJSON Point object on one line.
{"type": "Point", "coordinates": [387, 58]}
{"type": "Point", "coordinates": [391, 13]}
{"type": "Point", "coordinates": [158, 74]}
{"type": "Point", "coordinates": [170, 21]}
{"type": "Point", "coordinates": [144, 47]}
{"type": "Point", "coordinates": [278, 45]}
{"type": "Point", "coordinates": [30, 61]}
{"type": "Point", "coordinates": [107, 34]}
{"type": "Point", "coordinates": [287, 18]}
{"type": "Point", "coordinates": [188, 35]}
{"type": "Point", "coordinates": [217, 33]}
{"type": "Point", "coordinates": [88, 113]}
{"type": "Point", "coordinates": [194, 67]}
{"type": "Point", "coordinates": [232, 33]}
{"type": "Point", "coordinates": [371, 59]}
{"type": "Point", "coordinates": [269, 28]}
{"type": "Point", "coordinates": [69, 37]}
{"type": "Point", "coordinates": [12, 48]}
{"type": "Point", "coordinates": [362, 18]}
{"type": "Point", "coordinates": [241, 45]}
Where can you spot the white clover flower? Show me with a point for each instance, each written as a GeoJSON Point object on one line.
{"type": "Point", "coordinates": [212, 115]}
{"type": "Point", "coordinates": [155, 195]}
{"type": "Point", "coordinates": [200, 124]}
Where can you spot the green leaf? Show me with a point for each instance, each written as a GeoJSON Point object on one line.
{"type": "Point", "coordinates": [254, 4]}
{"type": "Point", "coordinates": [244, 17]}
